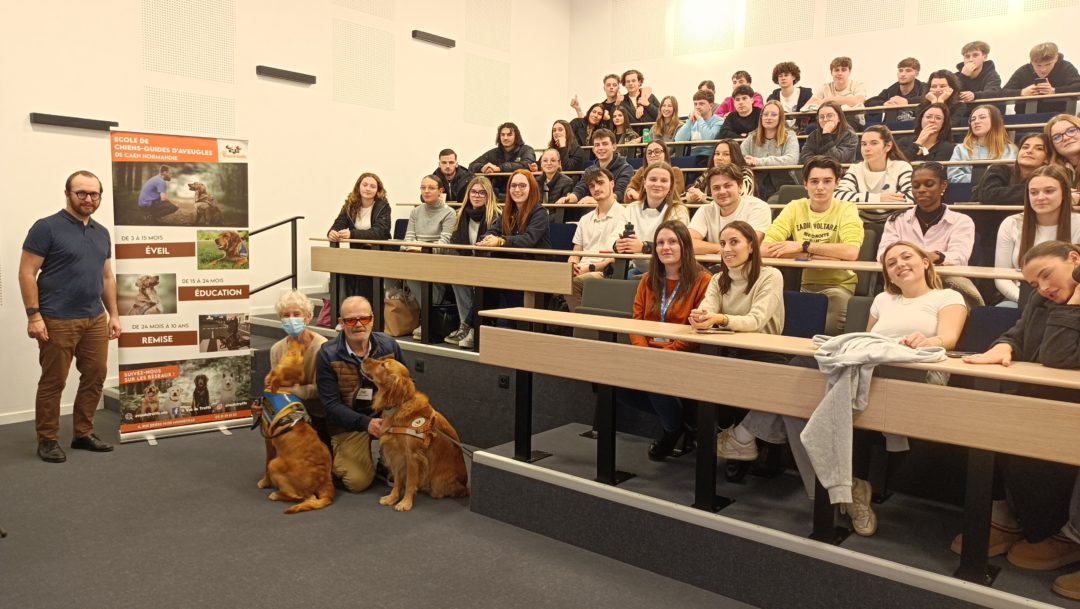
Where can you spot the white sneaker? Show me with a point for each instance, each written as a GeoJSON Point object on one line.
{"type": "Point", "coordinates": [728, 447]}
{"type": "Point", "coordinates": [863, 519]}
{"type": "Point", "coordinates": [416, 334]}
{"type": "Point", "coordinates": [469, 340]}
{"type": "Point", "coordinates": [454, 337]}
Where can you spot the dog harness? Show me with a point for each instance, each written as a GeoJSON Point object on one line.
{"type": "Point", "coordinates": [420, 428]}
{"type": "Point", "coordinates": [280, 413]}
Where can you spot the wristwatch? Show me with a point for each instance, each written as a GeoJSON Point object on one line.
{"type": "Point", "coordinates": [32, 311]}
{"type": "Point", "coordinates": [592, 268]}
{"type": "Point", "coordinates": [646, 247]}
{"type": "Point", "coordinates": [806, 246]}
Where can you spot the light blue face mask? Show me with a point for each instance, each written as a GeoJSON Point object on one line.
{"type": "Point", "coordinates": [293, 326]}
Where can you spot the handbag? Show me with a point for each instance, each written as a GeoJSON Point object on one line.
{"type": "Point", "coordinates": [401, 313]}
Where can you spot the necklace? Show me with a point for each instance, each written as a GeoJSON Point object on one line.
{"type": "Point", "coordinates": [926, 223]}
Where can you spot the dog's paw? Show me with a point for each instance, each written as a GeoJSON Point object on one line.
{"type": "Point", "coordinates": [264, 482]}
{"type": "Point", "coordinates": [388, 499]}
{"type": "Point", "coordinates": [276, 496]}
{"type": "Point", "coordinates": [403, 506]}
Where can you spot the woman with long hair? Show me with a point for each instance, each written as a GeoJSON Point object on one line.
{"type": "Point", "coordinates": [883, 175]}
{"type": "Point", "coordinates": [624, 133]}
{"type": "Point", "coordinates": [1005, 184]}
{"type": "Point", "coordinates": [657, 151]}
{"type": "Point", "coordinates": [571, 155]}
{"type": "Point", "coordinates": [833, 136]}
{"type": "Point", "coordinates": [475, 217]}
{"type": "Point", "coordinates": [943, 87]}
{"type": "Point", "coordinates": [667, 121]}
{"type": "Point", "coordinates": [673, 285]}
{"type": "Point", "coordinates": [658, 204]}
{"type": "Point", "coordinates": [932, 139]}
{"type": "Point", "coordinates": [726, 151]}
{"type": "Point", "coordinates": [583, 128]}
{"type": "Point", "coordinates": [986, 140]}
{"type": "Point", "coordinates": [1063, 132]}
{"type": "Point", "coordinates": [364, 215]}
{"type": "Point", "coordinates": [772, 143]}
{"type": "Point", "coordinates": [1047, 216]}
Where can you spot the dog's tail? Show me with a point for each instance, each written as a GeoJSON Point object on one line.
{"type": "Point", "coordinates": [318, 501]}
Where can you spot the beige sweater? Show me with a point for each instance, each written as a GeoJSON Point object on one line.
{"type": "Point", "coordinates": [762, 310]}
{"type": "Point", "coordinates": [306, 391]}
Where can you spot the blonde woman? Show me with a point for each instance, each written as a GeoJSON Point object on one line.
{"type": "Point", "coordinates": [986, 139]}
{"type": "Point", "coordinates": [480, 213]}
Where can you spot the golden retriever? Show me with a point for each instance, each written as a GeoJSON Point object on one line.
{"type": "Point", "coordinates": [297, 462]}
{"type": "Point", "coordinates": [147, 302]}
{"type": "Point", "coordinates": [231, 245]}
{"type": "Point", "coordinates": [207, 211]}
{"type": "Point", "coordinates": [432, 462]}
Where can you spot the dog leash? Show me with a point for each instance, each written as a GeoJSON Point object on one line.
{"type": "Point", "coordinates": [419, 435]}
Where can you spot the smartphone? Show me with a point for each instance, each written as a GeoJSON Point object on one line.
{"type": "Point", "coordinates": [715, 330]}
{"type": "Point", "coordinates": [959, 353]}
{"type": "Point", "coordinates": [1042, 81]}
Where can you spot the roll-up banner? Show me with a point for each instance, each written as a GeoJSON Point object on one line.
{"type": "Point", "coordinates": [182, 279]}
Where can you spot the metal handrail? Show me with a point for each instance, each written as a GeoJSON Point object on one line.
{"type": "Point", "coordinates": [295, 274]}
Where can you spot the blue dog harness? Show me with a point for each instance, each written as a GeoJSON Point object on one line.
{"type": "Point", "coordinates": [280, 412]}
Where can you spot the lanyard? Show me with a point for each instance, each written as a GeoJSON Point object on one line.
{"type": "Point", "coordinates": [665, 301]}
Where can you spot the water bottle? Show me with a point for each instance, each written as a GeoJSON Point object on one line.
{"type": "Point", "coordinates": [646, 135]}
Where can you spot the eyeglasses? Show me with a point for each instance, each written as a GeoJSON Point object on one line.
{"type": "Point", "coordinates": [654, 152]}
{"type": "Point", "coordinates": [518, 186]}
{"type": "Point", "coordinates": [478, 193]}
{"type": "Point", "coordinates": [1068, 133]}
{"type": "Point", "coordinates": [363, 320]}
{"type": "Point", "coordinates": [96, 196]}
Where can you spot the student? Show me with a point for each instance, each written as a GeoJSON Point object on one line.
{"type": "Point", "coordinates": [726, 151]}
{"type": "Point", "coordinates": [986, 139]}
{"type": "Point", "coordinates": [583, 128]}
{"type": "Point", "coordinates": [944, 88]}
{"type": "Point", "coordinates": [432, 222]}
{"type": "Point", "coordinates": [624, 133]}
{"type": "Point", "coordinates": [474, 218]}
{"type": "Point", "coordinates": [932, 140]}
{"type": "Point", "coordinates": [656, 151]}
{"type": "Point", "coordinates": [977, 75]}
{"type": "Point", "coordinates": [451, 176]}
{"type": "Point", "coordinates": [1046, 217]}
{"type": "Point", "coordinates": [571, 156]}
{"type": "Point", "coordinates": [596, 231]}
{"type": "Point", "coordinates": [1006, 184]}
{"type": "Point", "coordinates": [833, 136]}
{"type": "Point", "coordinates": [552, 183]}
{"type": "Point", "coordinates": [1047, 73]}
{"type": "Point", "coordinates": [603, 147]}
{"type": "Point", "coordinates": [673, 285]}
{"type": "Point", "coordinates": [658, 204]}
{"type": "Point", "coordinates": [945, 235]}
{"type": "Point", "coordinates": [772, 143]}
{"type": "Point", "coordinates": [1063, 132]}
{"type": "Point", "coordinates": [728, 206]}
{"type": "Point", "coordinates": [639, 104]}
{"type": "Point", "coordinates": [707, 85]}
{"type": "Point", "coordinates": [786, 75]}
{"type": "Point", "coordinates": [820, 226]}
{"type": "Point", "coordinates": [702, 124]}
{"type": "Point", "coordinates": [843, 90]}
{"type": "Point", "coordinates": [883, 176]}
{"type": "Point", "coordinates": [745, 117]}
{"type": "Point", "coordinates": [667, 122]}
{"type": "Point", "coordinates": [907, 89]}
{"type": "Point", "coordinates": [612, 99]}
{"type": "Point", "coordinates": [509, 154]}
{"type": "Point", "coordinates": [738, 79]}
{"type": "Point", "coordinates": [365, 215]}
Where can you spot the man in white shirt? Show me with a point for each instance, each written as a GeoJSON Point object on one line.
{"type": "Point", "coordinates": [725, 183]}
{"type": "Point", "coordinates": [842, 90]}
{"type": "Point", "coordinates": [596, 231]}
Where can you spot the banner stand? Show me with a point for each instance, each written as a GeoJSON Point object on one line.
{"type": "Point", "coordinates": [151, 437]}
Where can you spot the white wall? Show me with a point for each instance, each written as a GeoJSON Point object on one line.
{"type": "Point", "coordinates": [306, 149]}
{"type": "Point", "coordinates": [758, 28]}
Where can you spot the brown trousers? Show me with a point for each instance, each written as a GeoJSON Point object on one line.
{"type": "Point", "coordinates": [87, 341]}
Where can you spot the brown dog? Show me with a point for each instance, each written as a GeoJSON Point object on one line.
{"type": "Point", "coordinates": [415, 440]}
{"type": "Point", "coordinates": [151, 403]}
{"type": "Point", "coordinates": [231, 245]}
{"type": "Point", "coordinates": [297, 462]}
{"type": "Point", "coordinates": [147, 302]}
{"type": "Point", "coordinates": [207, 211]}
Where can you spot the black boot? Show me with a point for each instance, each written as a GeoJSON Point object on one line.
{"type": "Point", "coordinates": [662, 448]}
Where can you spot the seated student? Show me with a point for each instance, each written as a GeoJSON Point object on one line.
{"type": "Point", "coordinates": [1047, 73]}
{"type": "Point", "coordinates": [432, 222]}
{"type": "Point", "coordinates": [907, 89]}
{"type": "Point", "coordinates": [347, 395]}
{"type": "Point", "coordinates": [728, 206]}
{"type": "Point", "coordinates": [639, 103]}
{"type": "Point", "coordinates": [451, 176]}
{"type": "Point", "coordinates": [833, 136]}
{"type": "Point", "coordinates": [667, 122]}
{"type": "Point", "coordinates": [624, 133]}
{"type": "Point", "coordinates": [738, 79]}
{"type": "Point", "coordinates": [726, 151]}
{"type": "Point", "coordinates": [658, 204]}
{"type": "Point", "coordinates": [612, 99]}
{"type": "Point", "coordinates": [823, 227]}
{"type": "Point", "coordinates": [945, 235]}
{"type": "Point", "coordinates": [842, 90]}
{"type": "Point", "coordinates": [977, 75]}
{"type": "Point", "coordinates": [771, 143]}
{"type": "Point", "coordinates": [509, 154]}
{"type": "Point", "coordinates": [571, 156]}
{"type": "Point", "coordinates": [553, 184]}
{"type": "Point", "coordinates": [596, 231]}
{"type": "Point", "coordinates": [702, 124]}
{"type": "Point", "coordinates": [913, 309]}
{"type": "Point", "coordinates": [474, 219]}
{"type": "Point", "coordinates": [883, 176]}
{"type": "Point", "coordinates": [583, 128]}
{"type": "Point", "coordinates": [943, 88]}
{"type": "Point", "coordinates": [932, 138]}
{"type": "Point", "coordinates": [673, 285]}
{"type": "Point", "coordinates": [365, 215]}
{"type": "Point", "coordinates": [744, 119]}
{"type": "Point", "coordinates": [707, 85]}
{"type": "Point", "coordinates": [1006, 184]}
{"type": "Point", "coordinates": [986, 139]}
{"type": "Point", "coordinates": [1034, 528]}
{"type": "Point", "coordinates": [786, 75]}
{"type": "Point", "coordinates": [603, 147]}
{"type": "Point", "coordinates": [1047, 216]}
{"type": "Point", "coordinates": [656, 151]}
{"type": "Point", "coordinates": [1063, 132]}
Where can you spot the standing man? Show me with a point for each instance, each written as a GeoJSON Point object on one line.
{"type": "Point", "coordinates": [452, 176]}
{"type": "Point", "coordinates": [154, 199]}
{"type": "Point", "coordinates": [347, 394]}
{"type": "Point", "coordinates": [66, 305]}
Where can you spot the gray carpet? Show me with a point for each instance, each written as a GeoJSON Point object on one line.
{"type": "Point", "coordinates": [182, 524]}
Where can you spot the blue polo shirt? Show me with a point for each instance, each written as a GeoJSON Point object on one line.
{"type": "Point", "coordinates": [71, 278]}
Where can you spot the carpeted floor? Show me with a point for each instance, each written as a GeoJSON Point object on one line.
{"type": "Point", "coordinates": [182, 524]}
